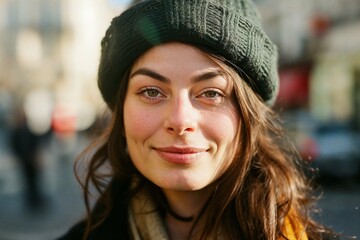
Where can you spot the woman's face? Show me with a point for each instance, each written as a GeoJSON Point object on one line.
{"type": "Point", "coordinates": [180, 120]}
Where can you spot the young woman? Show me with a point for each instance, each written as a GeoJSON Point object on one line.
{"type": "Point", "coordinates": [193, 149]}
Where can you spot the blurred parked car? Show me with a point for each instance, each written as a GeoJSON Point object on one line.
{"type": "Point", "coordinates": [332, 148]}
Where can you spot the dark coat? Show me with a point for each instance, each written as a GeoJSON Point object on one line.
{"type": "Point", "coordinates": [116, 226]}
{"type": "Point", "coordinates": [118, 233]}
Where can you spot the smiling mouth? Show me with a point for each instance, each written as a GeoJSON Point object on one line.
{"type": "Point", "coordinates": [182, 156]}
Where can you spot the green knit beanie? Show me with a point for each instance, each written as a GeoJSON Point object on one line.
{"type": "Point", "coordinates": [230, 28]}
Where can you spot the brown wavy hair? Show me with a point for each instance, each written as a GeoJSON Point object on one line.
{"type": "Point", "coordinates": [264, 183]}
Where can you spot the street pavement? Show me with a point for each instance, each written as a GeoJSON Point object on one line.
{"type": "Point", "coordinates": [340, 207]}
{"type": "Point", "coordinates": [63, 205]}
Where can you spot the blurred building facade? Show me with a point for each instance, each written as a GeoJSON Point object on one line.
{"type": "Point", "coordinates": [319, 55]}
{"type": "Point", "coordinates": [319, 70]}
{"type": "Point", "coordinates": [53, 46]}
{"type": "Point", "coordinates": [49, 54]}
{"type": "Point", "coordinates": [297, 26]}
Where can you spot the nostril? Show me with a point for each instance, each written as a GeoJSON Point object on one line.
{"type": "Point", "coordinates": [171, 129]}
{"type": "Point", "coordinates": [179, 130]}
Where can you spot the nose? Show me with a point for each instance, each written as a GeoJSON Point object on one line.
{"type": "Point", "coordinates": [182, 116]}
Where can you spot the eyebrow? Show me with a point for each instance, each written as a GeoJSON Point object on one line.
{"type": "Point", "coordinates": [197, 78]}
{"type": "Point", "coordinates": [208, 75]}
{"type": "Point", "coordinates": [150, 73]}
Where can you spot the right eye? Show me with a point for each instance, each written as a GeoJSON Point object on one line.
{"type": "Point", "coordinates": [151, 94]}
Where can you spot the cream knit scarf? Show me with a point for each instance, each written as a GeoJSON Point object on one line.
{"type": "Point", "coordinates": [145, 221]}
{"type": "Point", "coordinates": [147, 224]}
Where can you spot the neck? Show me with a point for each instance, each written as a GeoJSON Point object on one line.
{"type": "Point", "coordinates": [186, 204]}
{"type": "Point", "coordinates": [185, 207]}
{"type": "Point", "coordinates": [178, 230]}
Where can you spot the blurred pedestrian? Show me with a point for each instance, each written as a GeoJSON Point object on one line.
{"type": "Point", "coordinates": [193, 150]}
{"type": "Point", "coordinates": [25, 146]}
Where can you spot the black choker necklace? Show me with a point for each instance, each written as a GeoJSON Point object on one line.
{"type": "Point", "coordinates": [178, 217]}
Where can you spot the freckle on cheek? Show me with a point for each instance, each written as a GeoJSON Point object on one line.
{"type": "Point", "coordinates": [139, 122]}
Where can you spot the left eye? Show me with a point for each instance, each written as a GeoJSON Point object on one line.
{"type": "Point", "coordinates": [152, 93]}
{"type": "Point", "coordinates": [212, 97]}
{"type": "Point", "coordinates": [211, 94]}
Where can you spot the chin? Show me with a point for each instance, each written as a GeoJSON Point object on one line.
{"type": "Point", "coordinates": [182, 185]}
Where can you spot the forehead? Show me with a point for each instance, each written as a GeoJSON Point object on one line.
{"type": "Point", "coordinates": [177, 56]}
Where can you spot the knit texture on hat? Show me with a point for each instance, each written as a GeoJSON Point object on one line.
{"type": "Point", "coordinates": [230, 28]}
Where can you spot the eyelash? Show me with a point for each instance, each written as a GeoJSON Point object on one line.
{"type": "Point", "coordinates": [145, 93]}
{"type": "Point", "coordinates": [213, 91]}
{"type": "Point", "coordinates": [218, 98]}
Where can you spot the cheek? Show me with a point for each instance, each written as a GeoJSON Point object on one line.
{"type": "Point", "coordinates": [225, 137]}
{"type": "Point", "coordinates": [223, 127]}
{"type": "Point", "coordinates": [139, 122]}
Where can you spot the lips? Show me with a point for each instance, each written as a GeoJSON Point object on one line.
{"type": "Point", "coordinates": [180, 155]}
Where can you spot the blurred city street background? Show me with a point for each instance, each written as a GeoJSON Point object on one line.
{"type": "Point", "coordinates": [49, 104]}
